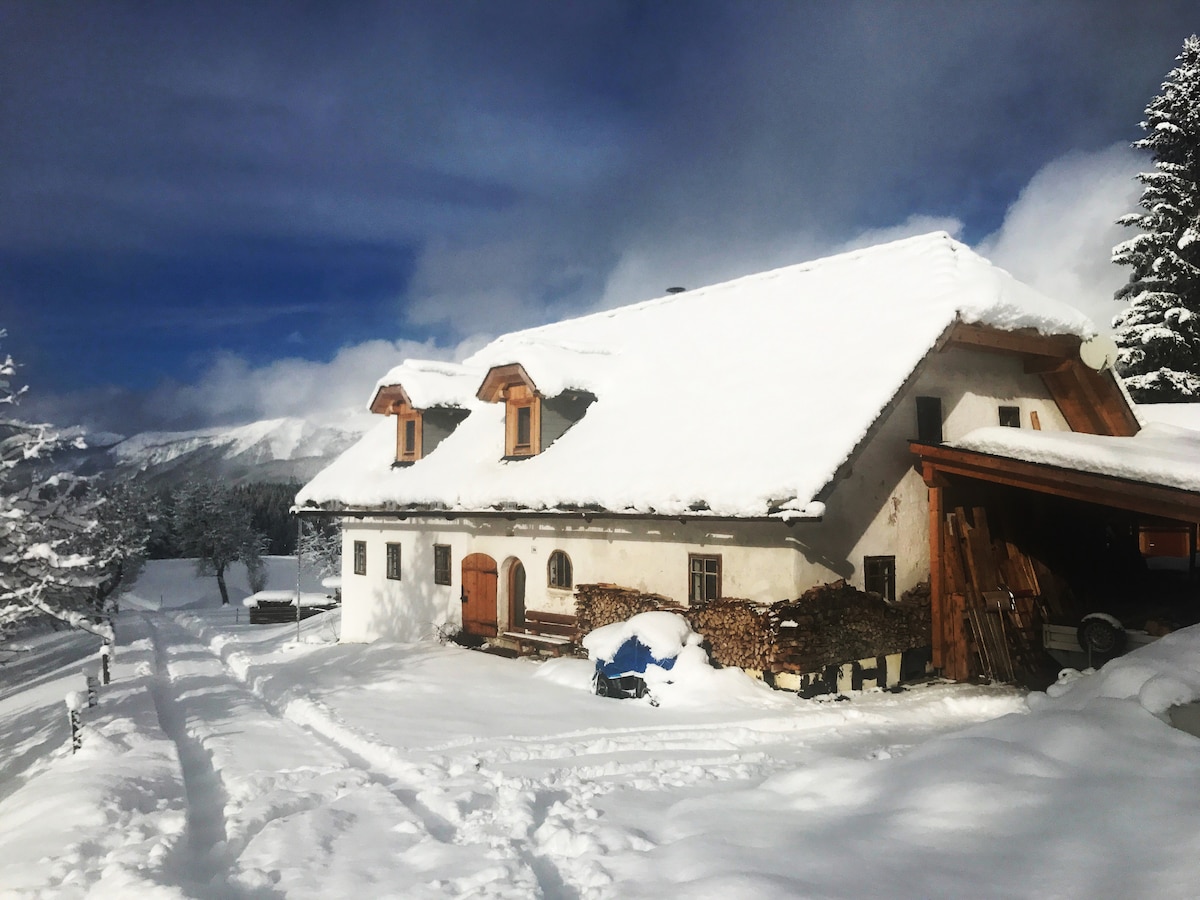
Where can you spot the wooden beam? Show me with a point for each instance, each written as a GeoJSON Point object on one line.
{"type": "Point", "coordinates": [1091, 402]}
{"type": "Point", "coordinates": [937, 575]}
{"type": "Point", "coordinates": [1026, 341]}
{"type": "Point", "coordinates": [1045, 365]}
{"type": "Point", "coordinates": [1081, 416]}
{"type": "Point", "coordinates": [1102, 490]}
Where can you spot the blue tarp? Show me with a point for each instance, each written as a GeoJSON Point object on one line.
{"type": "Point", "coordinates": [631, 658]}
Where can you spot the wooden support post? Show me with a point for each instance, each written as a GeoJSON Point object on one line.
{"type": "Point", "coordinates": [937, 573]}
{"type": "Point", "coordinates": [105, 650]}
{"type": "Point", "coordinates": [75, 701]}
{"type": "Point", "coordinates": [92, 685]}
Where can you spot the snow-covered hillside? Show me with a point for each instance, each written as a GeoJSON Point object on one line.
{"type": "Point", "coordinates": [228, 760]}
{"type": "Point", "coordinates": [284, 449]}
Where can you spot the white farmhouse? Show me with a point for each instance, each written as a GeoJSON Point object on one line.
{"type": "Point", "coordinates": [750, 439]}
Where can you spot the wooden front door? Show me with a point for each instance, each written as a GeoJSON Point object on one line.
{"type": "Point", "coordinates": [479, 595]}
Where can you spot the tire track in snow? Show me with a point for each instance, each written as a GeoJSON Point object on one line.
{"type": "Point", "coordinates": [546, 819]}
{"type": "Point", "coordinates": [201, 860]}
{"type": "Point", "coordinates": [445, 802]}
{"type": "Point", "coordinates": [518, 819]}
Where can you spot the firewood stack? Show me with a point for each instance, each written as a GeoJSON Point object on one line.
{"type": "Point", "coordinates": [836, 623]}
{"type": "Point", "coordinates": [828, 625]}
{"type": "Point", "coordinates": [603, 604]}
{"type": "Point", "coordinates": [739, 632]}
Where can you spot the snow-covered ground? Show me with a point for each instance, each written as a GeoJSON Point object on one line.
{"type": "Point", "coordinates": [228, 760]}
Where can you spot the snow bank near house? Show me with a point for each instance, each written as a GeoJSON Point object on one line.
{"type": "Point", "coordinates": [692, 681]}
{"type": "Point", "coordinates": [1181, 415]}
{"type": "Point", "coordinates": [1158, 676]}
{"type": "Point", "coordinates": [664, 633]}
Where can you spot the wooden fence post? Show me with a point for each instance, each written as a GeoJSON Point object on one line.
{"type": "Point", "coordinates": [105, 650]}
{"type": "Point", "coordinates": [92, 683]}
{"type": "Point", "coordinates": [75, 701]}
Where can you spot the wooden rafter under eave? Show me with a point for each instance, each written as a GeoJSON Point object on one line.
{"type": "Point", "coordinates": [1091, 402]}
{"type": "Point", "coordinates": [500, 378]}
{"type": "Point", "coordinates": [1140, 497]}
{"type": "Point", "coordinates": [388, 399]}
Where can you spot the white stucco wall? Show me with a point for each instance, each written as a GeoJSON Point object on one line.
{"type": "Point", "coordinates": [758, 560]}
{"type": "Point", "coordinates": [880, 508]}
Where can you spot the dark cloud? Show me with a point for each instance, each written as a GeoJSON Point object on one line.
{"type": "Point", "coordinates": [179, 181]}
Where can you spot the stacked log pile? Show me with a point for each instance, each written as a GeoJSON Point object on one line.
{"type": "Point", "coordinates": [835, 623]}
{"type": "Point", "coordinates": [828, 625]}
{"type": "Point", "coordinates": [603, 604]}
{"type": "Point", "coordinates": [738, 632]}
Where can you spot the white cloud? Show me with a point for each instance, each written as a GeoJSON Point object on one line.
{"type": "Point", "coordinates": [910, 227]}
{"type": "Point", "coordinates": [1059, 233]}
{"type": "Point", "coordinates": [234, 390]}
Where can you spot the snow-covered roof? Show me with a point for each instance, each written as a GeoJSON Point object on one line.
{"type": "Point", "coordinates": [431, 383]}
{"type": "Point", "coordinates": [739, 399]}
{"type": "Point", "coordinates": [1158, 454]}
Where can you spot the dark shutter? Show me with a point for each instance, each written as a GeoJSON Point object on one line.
{"type": "Point", "coordinates": [929, 420]}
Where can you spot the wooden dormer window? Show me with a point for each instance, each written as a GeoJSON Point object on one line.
{"type": "Point", "coordinates": [408, 435]}
{"type": "Point", "coordinates": [522, 422]}
{"type": "Point", "coordinates": [532, 421]}
{"type": "Point", "coordinates": [512, 386]}
{"type": "Point", "coordinates": [418, 431]}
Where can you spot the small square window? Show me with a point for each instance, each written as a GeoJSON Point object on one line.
{"type": "Point", "coordinates": [879, 576]}
{"type": "Point", "coordinates": [704, 578]}
{"type": "Point", "coordinates": [393, 561]}
{"type": "Point", "coordinates": [1010, 416]}
{"type": "Point", "coordinates": [441, 563]}
{"type": "Point", "coordinates": [360, 557]}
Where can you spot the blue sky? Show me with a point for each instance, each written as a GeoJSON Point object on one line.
{"type": "Point", "coordinates": [217, 212]}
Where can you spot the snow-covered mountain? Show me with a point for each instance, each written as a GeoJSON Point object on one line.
{"type": "Point", "coordinates": [289, 449]}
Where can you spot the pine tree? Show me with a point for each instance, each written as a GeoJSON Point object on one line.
{"type": "Point", "coordinates": [1159, 334]}
{"type": "Point", "coordinates": [213, 526]}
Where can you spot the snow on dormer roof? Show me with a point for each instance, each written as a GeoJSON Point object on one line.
{"type": "Point", "coordinates": [739, 399]}
{"type": "Point", "coordinates": [427, 383]}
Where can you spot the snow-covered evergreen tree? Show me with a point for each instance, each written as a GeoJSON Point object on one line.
{"type": "Point", "coordinates": [1159, 334]}
{"type": "Point", "coordinates": [51, 559]}
{"type": "Point", "coordinates": [214, 527]}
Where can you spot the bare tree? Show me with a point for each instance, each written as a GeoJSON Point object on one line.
{"type": "Point", "coordinates": [214, 527]}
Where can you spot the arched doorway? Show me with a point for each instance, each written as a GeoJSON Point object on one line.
{"type": "Point", "coordinates": [479, 595]}
{"type": "Point", "coordinates": [516, 594]}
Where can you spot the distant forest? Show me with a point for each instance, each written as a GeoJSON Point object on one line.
{"type": "Point", "coordinates": [268, 504]}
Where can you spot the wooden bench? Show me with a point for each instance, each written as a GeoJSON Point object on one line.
{"type": "Point", "coordinates": [552, 632]}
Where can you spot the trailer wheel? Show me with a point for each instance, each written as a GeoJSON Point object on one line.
{"type": "Point", "coordinates": [1102, 635]}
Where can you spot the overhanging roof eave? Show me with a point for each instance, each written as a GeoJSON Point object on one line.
{"type": "Point", "coordinates": [1143, 497]}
